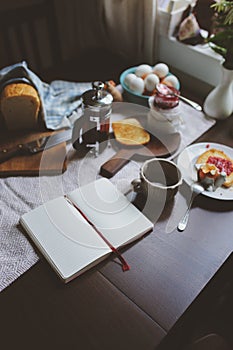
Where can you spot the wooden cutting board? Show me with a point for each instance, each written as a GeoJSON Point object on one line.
{"type": "Point", "coordinates": [156, 147]}
{"type": "Point", "coordinates": [49, 162]}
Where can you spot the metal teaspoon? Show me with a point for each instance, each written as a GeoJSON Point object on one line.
{"type": "Point", "coordinates": [165, 90]}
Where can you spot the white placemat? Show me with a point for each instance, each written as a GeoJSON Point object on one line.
{"type": "Point", "coordinates": [21, 194]}
{"type": "Point", "coordinates": [193, 125]}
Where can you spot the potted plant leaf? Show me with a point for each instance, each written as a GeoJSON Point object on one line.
{"type": "Point", "coordinates": [219, 102]}
{"type": "Point", "coordinates": [221, 40]}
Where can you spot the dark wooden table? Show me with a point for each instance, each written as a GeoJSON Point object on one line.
{"type": "Point", "coordinates": [174, 279]}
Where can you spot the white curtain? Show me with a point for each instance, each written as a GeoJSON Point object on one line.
{"type": "Point", "coordinates": [128, 27]}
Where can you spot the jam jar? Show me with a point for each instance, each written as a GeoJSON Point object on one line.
{"type": "Point", "coordinates": [165, 113]}
{"type": "Point", "coordinates": [165, 100]}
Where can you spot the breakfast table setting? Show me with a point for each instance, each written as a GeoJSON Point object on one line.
{"type": "Point", "coordinates": [169, 266]}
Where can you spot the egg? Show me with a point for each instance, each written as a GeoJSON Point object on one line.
{"type": "Point", "coordinates": [171, 80]}
{"type": "Point", "coordinates": [151, 81]}
{"type": "Point", "coordinates": [129, 77]}
{"type": "Point", "coordinates": [143, 69]}
{"type": "Point", "coordinates": [137, 85]}
{"type": "Point", "coordinates": [161, 69]}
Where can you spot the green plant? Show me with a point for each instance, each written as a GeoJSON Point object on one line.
{"type": "Point", "coordinates": [221, 41]}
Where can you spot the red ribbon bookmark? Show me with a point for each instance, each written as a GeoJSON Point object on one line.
{"type": "Point", "coordinates": [125, 266]}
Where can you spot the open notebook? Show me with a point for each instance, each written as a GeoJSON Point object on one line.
{"type": "Point", "coordinates": [77, 231]}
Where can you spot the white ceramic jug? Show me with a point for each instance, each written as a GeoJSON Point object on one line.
{"type": "Point", "coordinates": [219, 103]}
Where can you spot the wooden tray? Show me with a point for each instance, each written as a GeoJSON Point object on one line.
{"type": "Point", "coordinates": [49, 162]}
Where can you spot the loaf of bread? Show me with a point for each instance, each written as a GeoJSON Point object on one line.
{"type": "Point", "coordinates": [213, 162]}
{"type": "Point", "coordinates": [129, 131]}
{"type": "Point", "coordinates": [20, 106]}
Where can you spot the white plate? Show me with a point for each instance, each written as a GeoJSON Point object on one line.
{"type": "Point", "coordinates": [186, 163]}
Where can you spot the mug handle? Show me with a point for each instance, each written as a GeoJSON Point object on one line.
{"type": "Point", "coordinates": [136, 183]}
{"type": "Point", "coordinates": [135, 187]}
{"type": "Point", "coordinates": [77, 131]}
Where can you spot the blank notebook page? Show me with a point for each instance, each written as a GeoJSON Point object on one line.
{"type": "Point", "coordinates": [111, 212]}
{"type": "Point", "coordinates": [64, 237]}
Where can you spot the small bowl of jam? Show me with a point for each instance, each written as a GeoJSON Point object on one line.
{"type": "Point", "coordinates": [166, 97]}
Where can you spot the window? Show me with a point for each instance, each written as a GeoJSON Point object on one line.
{"type": "Point", "coordinates": [197, 66]}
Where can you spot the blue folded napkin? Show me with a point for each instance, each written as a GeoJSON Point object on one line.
{"type": "Point", "coordinates": [59, 100]}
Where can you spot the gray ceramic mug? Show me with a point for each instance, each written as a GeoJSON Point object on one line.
{"type": "Point", "coordinates": [159, 180]}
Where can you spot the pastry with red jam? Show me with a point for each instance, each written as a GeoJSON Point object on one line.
{"type": "Point", "coordinates": [215, 169]}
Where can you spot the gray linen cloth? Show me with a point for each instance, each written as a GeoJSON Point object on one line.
{"type": "Point", "coordinates": [59, 100]}
{"type": "Point", "coordinates": [21, 194]}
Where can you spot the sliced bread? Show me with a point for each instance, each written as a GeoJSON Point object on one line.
{"type": "Point", "coordinates": [129, 131]}
{"type": "Point", "coordinates": [220, 160]}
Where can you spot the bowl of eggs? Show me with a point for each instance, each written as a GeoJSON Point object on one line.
{"type": "Point", "coordinates": [139, 83]}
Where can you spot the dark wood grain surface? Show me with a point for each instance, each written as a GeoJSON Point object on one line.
{"type": "Point", "coordinates": [139, 309]}
{"type": "Point", "coordinates": [40, 312]}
